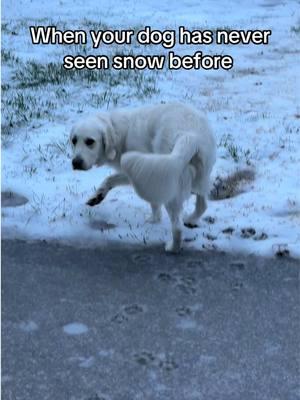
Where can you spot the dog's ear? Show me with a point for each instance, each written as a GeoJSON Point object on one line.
{"type": "Point", "coordinates": [109, 139]}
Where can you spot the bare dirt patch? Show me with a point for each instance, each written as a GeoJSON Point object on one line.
{"type": "Point", "coordinates": [231, 186]}
{"type": "Point", "coordinates": [101, 225]}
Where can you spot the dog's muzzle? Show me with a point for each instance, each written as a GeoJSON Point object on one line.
{"type": "Point", "coordinates": [78, 163]}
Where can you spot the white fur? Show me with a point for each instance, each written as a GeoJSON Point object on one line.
{"type": "Point", "coordinates": [165, 151]}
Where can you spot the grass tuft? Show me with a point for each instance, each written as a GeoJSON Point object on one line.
{"type": "Point", "coordinates": [8, 57]}
{"type": "Point", "coordinates": [233, 151]}
{"type": "Point", "coordinates": [296, 29]}
{"type": "Point", "coordinates": [21, 108]}
{"type": "Point", "coordinates": [35, 74]}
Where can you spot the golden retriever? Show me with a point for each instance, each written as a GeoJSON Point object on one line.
{"type": "Point", "coordinates": [165, 151]}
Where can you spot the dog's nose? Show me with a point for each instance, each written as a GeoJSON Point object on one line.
{"type": "Point", "coordinates": [77, 163]}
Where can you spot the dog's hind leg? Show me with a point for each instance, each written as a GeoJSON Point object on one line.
{"type": "Point", "coordinates": [201, 205]}
{"type": "Point", "coordinates": [109, 183]}
{"type": "Point", "coordinates": [155, 177]}
{"type": "Point", "coordinates": [174, 209]}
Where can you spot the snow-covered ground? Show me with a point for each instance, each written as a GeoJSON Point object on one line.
{"type": "Point", "coordinates": [254, 110]}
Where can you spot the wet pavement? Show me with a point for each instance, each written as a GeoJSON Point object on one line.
{"type": "Point", "coordinates": [136, 323]}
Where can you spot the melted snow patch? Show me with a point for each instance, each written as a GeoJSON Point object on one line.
{"type": "Point", "coordinates": [87, 362]}
{"type": "Point", "coordinates": [28, 326]}
{"type": "Point", "coordinates": [187, 323]}
{"type": "Point", "coordinates": [75, 328]}
{"type": "Point", "coordinates": [106, 353]}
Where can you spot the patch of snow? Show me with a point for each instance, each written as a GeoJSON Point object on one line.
{"type": "Point", "coordinates": [28, 326]}
{"type": "Point", "coordinates": [106, 353]}
{"type": "Point", "coordinates": [75, 328]}
{"type": "Point", "coordinates": [207, 359]}
{"type": "Point", "coordinates": [88, 362]}
{"type": "Point", "coordinates": [187, 323]}
{"type": "Point", "coordinates": [255, 103]}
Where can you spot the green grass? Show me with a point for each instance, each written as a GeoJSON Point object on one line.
{"type": "Point", "coordinates": [296, 29]}
{"type": "Point", "coordinates": [89, 24]}
{"type": "Point", "coordinates": [23, 102]}
{"type": "Point", "coordinates": [20, 108]}
{"type": "Point", "coordinates": [9, 29]}
{"type": "Point", "coordinates": [234, 151]}
{"type": "Point", "coordinates": [36, 87]}
{"type": "Point", "coordinates": [5, 87]}
{"type": "Point", "coordinates": [105, 98]}
{"type": "Point", "coordinates": [34, 74]}
{"type": "Point", "coordinates": [8, 57]}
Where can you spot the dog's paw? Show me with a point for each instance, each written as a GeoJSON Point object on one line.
{"type": "Point", "coordinates": [171, 247]}
{"type": "Point", "coordinates": [191, 225]}
{"type": "Point", "coordinates": [191, 222]}
{"type": "Point", "coordinates": [93, 201]}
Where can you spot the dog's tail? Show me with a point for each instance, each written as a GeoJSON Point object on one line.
{"type": "Point", "coordinates": [156, 177]}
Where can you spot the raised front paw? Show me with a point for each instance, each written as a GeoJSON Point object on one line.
{"type": "Point", "coordinates": [93, 201]}
{"type": "Point", "coordinates": [191, 225]}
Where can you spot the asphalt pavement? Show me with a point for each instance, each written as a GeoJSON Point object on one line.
{"type": "Point", "coordinates": [118, 323]}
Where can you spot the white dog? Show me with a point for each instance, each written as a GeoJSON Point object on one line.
{"type": "Point", "coordinates": [165, 151]}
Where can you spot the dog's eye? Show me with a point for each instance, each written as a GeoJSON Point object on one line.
{"type": "Point", "coordinates": [89, 142]}
{"type": "Point", "coordinates": [74, 141]}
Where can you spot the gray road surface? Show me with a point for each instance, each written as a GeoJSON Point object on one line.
{"type": "Point", "coordinates": [119, 323]}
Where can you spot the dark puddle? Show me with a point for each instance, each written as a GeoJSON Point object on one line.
{"type": "Point", "coordinates": [11, 199]}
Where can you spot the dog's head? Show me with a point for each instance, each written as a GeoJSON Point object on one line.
{"type": "Point", "coordinates": [93, 142]}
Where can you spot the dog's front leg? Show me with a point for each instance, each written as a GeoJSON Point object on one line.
{"type": "Point", "coordinates": [109, 183]}
{"type": "Point", "coordinates": [156, 214]}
